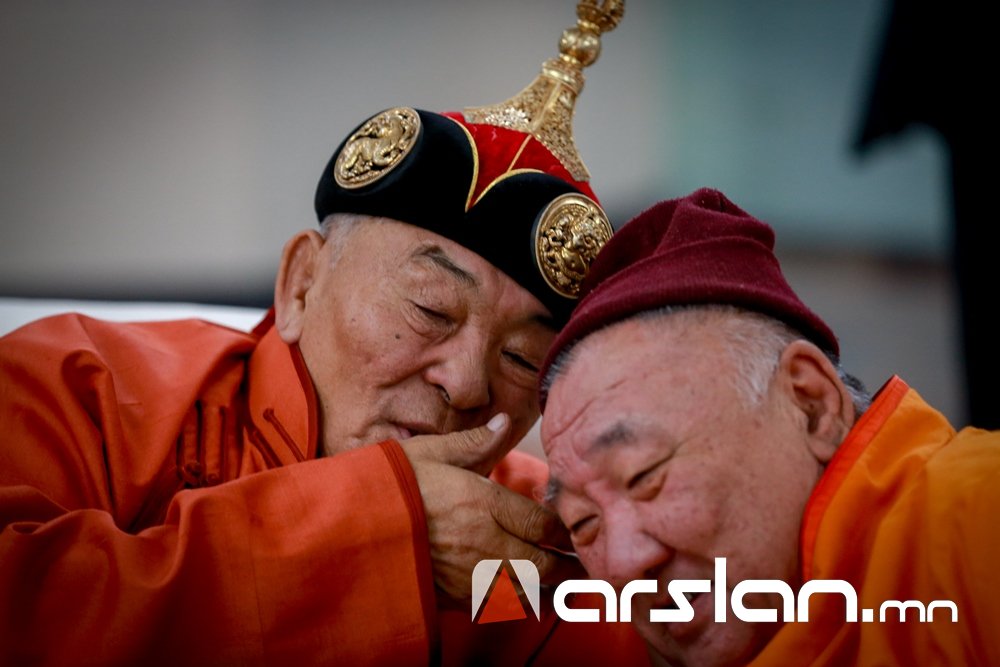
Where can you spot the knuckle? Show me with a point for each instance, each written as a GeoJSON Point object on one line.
{"type": "Point", "coordinates": [497, 500]}
{"type": "Point", "coordinates": [533, 522]}
{"type": "Point", "coordinates": [542, 560]}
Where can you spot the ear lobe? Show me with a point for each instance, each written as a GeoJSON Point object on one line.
{"type": "Point", "coordinates": [296, 275]}
{"type": "Point", "coordinates": [818, 393]}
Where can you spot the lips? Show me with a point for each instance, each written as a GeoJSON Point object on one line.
{"type": "Point", "coordinates": [407, 429]}
{"type": "Point", "coordinates": [683, 633]}
{"type": "Point", "coordinates": [667, 602]}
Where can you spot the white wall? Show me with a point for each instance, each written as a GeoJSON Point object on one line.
{"type": "Point", "coordinates": [181, 142]}
{"type": "Point", "coordinates": [170, 148]}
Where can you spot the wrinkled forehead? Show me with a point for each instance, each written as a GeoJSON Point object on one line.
{"type": "Point", "coordinates": [605, 372]}
{"type": "Point", "coordinates": [644, 367]}
{"type": "Point", "coordinates": [593, 436]}
{"type": "Point", "coordinates": [405, 243]}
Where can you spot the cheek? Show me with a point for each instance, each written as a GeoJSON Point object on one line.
{"type": "Point", "coordinates": [372, 338]}
{"type": "Point", "coordinates": [764, 513]}
{"type": "Point", "coordinates": [521, 403]}
{"type": "Point", "coordinates": [361, 344]}
{"type": "Point", "coordinates": [688, 511]}
{"type": "Point", "coordinates": [624, 545]}
{"type": "Point", "coordinates": [593, 557]}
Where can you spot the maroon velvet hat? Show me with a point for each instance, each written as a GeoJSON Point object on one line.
{"type": "Point", "coordinates": [700, 249]}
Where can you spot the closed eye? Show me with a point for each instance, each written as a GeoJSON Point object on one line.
{"type": "Point", "coordinates": [432, 315]}
{"type": "Point", "coordinates": [647, 484]}
{"type": "Point", "coordinates": [518, 360]}
{"type": "Point", "coordinates": [584, 531]}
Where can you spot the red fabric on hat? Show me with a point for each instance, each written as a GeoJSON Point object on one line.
{"type": "Point", "coordinates": [501, 150]}
{"type": "Point", "coordinates": [700, 249]}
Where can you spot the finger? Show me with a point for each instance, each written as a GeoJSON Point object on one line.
{"type": "Point", "coordinates": [560, 568]}
{"type": "Point", "coordinates": [477, 449]}
{"type": "Point", "coordinates": [553, 568]}
{"type": "Point", "coordinates": [529, 521]}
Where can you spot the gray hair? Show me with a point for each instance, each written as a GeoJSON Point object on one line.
{"type": "Point", "coordinates": [336, 228]}
{"type": "Point", "coordinates": [755, 343]}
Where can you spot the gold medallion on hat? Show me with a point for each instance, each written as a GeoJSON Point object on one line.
{"type": "Point", "coordinates": [570, 232]}
{"type": "Point", "coordinates": [377, 147]}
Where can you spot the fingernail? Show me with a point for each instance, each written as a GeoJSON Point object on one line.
{"type": "Point", "coordinates": [498, 422]}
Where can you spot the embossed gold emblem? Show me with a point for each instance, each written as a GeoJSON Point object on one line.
{"type": "Point", "coordinates": [545, 108]}
{"type": "Point", "coordinates": [377, 147]}
{"type": "Point", "coordinates": [570, 232]}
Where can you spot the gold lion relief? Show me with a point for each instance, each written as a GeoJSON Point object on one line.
{"type": "Point", "coordinates": [570, 233]}
{"type": "Point", "coordinates": [377, 147]}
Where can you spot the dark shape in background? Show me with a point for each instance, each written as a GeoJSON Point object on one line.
{"type": "Point", "coordinates": [927, 74]}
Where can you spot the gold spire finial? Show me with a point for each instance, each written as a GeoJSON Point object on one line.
{"type": "Point", "coordinates": [545, 108]}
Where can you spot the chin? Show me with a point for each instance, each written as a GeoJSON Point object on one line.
{"type": "Point", "coordinates": [374, 435]}
{"type": "Point", "coordinates": [730, 647]}
{"type": "Point", "coordinates": [338, 444]}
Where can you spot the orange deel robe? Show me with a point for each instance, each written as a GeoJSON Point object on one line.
{"type": "Point", "coordinates": [906, 510]}
{"type": "Point", "coordinates": [161, 502]}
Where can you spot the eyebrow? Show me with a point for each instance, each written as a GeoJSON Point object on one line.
{"type": "Point", "coordinates": [617, 434]}
{"type": "Point", "coordinates": [552, 489]}
{"type": "Point", "coordinates": [443, 261]}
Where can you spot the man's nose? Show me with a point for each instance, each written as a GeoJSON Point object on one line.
{"type": "Point", "coordinates": [630, 552]}
{"type": "Point", "coordinates": [462, 374]}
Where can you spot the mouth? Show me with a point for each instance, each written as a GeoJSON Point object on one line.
{"type": "Point", "coordinates": [687, 632]}
{"type": "Point", "coordinates": [668, 602]}
{"type": "Point", "coordinates": [698, 608]}
{"type": "Point", "coordinates": [407, 430]}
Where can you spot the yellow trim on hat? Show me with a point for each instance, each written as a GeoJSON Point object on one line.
{"type": "Point", "coordinates": [517, 156]}
{"type": "Point", "coordinates": [504, 176]}
{"type": "Point", "coordinates": [475, 162]}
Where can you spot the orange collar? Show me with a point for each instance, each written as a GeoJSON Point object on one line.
{"type": "Point", "coordinates": [889, 444]}
{"type": "Point", "coordinates": [281, 400]}
{"type": "Point", "coordinates": [861, 434]}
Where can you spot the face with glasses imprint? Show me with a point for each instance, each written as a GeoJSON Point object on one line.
{"type": "Point", "coordinates": [405, 332]}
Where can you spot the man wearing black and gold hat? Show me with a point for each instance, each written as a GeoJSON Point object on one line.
{"type": "Point", "coordinates": [313, 492]}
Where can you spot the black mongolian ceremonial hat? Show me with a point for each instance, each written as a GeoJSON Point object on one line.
{"type": "Point", "coordinates": [505, 181]}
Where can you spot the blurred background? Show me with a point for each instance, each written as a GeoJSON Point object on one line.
{"type": "Point", "coordinates": [167, 150]}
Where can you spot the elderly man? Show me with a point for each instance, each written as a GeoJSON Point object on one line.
{"type": "Point", "coordinates": [701, 434]}
{"type": "Point", "coordinates": [182, 493]}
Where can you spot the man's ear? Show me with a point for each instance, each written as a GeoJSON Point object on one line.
{"type": "Point", "coordinates": [820, 396]}
{"type": "Point", "coordinates": [296, 275]}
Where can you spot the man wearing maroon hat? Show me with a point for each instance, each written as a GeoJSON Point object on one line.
{"type": "Point", "coordinates": [702, 437]}
{"type": "Point", "coordinates": [315, 492]}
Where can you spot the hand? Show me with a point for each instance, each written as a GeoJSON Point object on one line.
{"type": "Point", "coordinates": [470, 517]}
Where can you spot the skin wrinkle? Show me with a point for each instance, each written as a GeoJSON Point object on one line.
{"type": "Point", "coordinates": [558, 429]}
{"type": "Point", "coordinates": [617, 434]}
{"type": "Point", "coordinates": [708, 474]}
{"type": "Point", "coordinates": [554, 486]}
{"type": "Point", "coordinates": [381, 361]}
{"type": "Point", "coordinates": [441, 259]}
{"type": "Point", "coordinates": [756, 334]}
